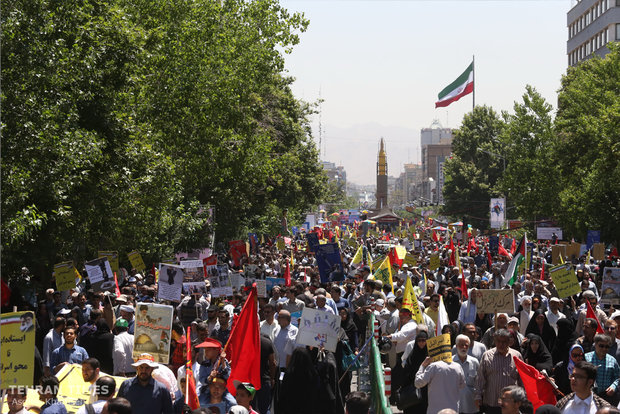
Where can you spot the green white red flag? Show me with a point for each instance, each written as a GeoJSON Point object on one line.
{"type": "Point", "coordinates": [462, 86]}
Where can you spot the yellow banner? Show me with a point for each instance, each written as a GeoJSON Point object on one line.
{"type": "Point", "coordinates": [136, 261]}
{"type": "Point", "coordinates": [434, 262]}
{"type": "Point", "coordinates": [17, 354]}
{"type": "Point", "coordinates": [439, 348]}
{"type": "Point", "coordinates": [411, 302]}
{"type": "Point", "coordinates": [384, 273]}
{"type": "Point", "coordinates": [410, 260]}
{"type": "Point", "coordinates": [357, 259]}
{"type": "Point", "coordinates": [565, 280]}
{"type": "Point", "coordinates": [112, 258]}
{"type": "Point", "coordinates": [65, 276]}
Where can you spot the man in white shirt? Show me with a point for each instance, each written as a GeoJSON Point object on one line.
{"type": "Point", "coordinates": [122, 355]}
{"type": "Point", "coordinates": [469, 365]}
{"type": "Point", "coordinates": [467, 314]}
{"type": "Point", "coordinates": [321, 304]}
{"type": "Point", "coordinates": [553, 314]}
{"type": "Point", "coordinates": [269, 327]}
{"type": "Point", "coordinates": [406, 333]}
{"type": "Point", "coordinates": [582, 400]}
{"type": "Point", "coordinates": [285, 341]}
{"type": "Point", "coordinates": [445, 381]}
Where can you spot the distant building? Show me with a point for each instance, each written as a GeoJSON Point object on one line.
{"type": "Point", "coordinates": [335, 174]}
{"type": "Point", "coordinates": [408, 181]}
{"type": "Point", "coordinates": [382, 177]}
{"type": "Point", "coordinates": [591, 25]}
{"type": "Point", "coordinates": [436, 144]}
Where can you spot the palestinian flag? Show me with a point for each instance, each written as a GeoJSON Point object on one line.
{"type": "Point", "coordinates": [519, 257]}
{"type": "Point", "coordinates": [462, 86]}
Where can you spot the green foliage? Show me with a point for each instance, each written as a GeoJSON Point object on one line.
{"type": "Point", "coordinates": [587, 150]}
{"type": "Point", "coordinates": [123, 121]}
{"type": "Point", "coordinates": [471, 173]}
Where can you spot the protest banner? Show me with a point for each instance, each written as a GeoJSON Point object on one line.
{"type": "Point", "coordinates": [495, 300]}
{"type": "Point", "coordinates": [153, 331]}
{"type": "Point", "coordinates": [193, 276]}
{"type": "Point", "coordinates": [274, 281]}
{"type": "Point", "coordinates": [546, 233]}
{"type": "Point", "coordinates": [135, 258]}
{"type": "Point", "coordinates": [170, 283]}
{"type": "Point", "coordinates": [557, 251]}
{"type": "Point", "coordinates": [494, 244]}
{"type": "Point", "coordinates": [237, 280]}
{"type": "Point", "coordinates": [610, 289]}
{"type": "Point", "coordinates": [252, 271]}
{"type": "Point", "coordinates": [313, 241]}
{"type": "Point", "coordinates": [410, 260]}
{"type": "Point", "coordinates": [17, 354]}
{"type": "Point", "coordinates": [64, 274]}
{"type": "Point", "coordinates": [100, 275]}
{"type": "Point", "coordinates": [565, 280]}
{"type": "Point", "coordinates": [261, 288]}
{"type": "Point", "coordinates": [318, 328]}
{"type": "Point", "coordinates": [434, 262]}
{"type": "Point", "coordinates": [598, 251]}
{"type": "Point", "coordinates": [329, 263]}
{"type": "Point", "coordinates": [439, 348]}
{"type": "Point", "coordinates": [593, 236]}
{"type": "Point", "coordinates": [112, 258]}
{"type": "Point", "coordinates": [221, 285]}
{"type": "Point", "coordinates": [238, 252]}
{"type": "Point", "coordinates": [573, 250]}
{"type": "Point", "coordinates": [384, 273]}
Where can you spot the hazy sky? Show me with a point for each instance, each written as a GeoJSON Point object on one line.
{"type": "Point", "coordinates": [379, 66]}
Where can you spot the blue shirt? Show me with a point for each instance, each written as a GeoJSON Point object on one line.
{"type": "Point", "coordinates": [53, 406]}
{"type": "Point", "coordinates": [607, 373]}
{"type": "Point", "coordinates": [75, 355]}
{"type": "Point", "coordinates": [153, 398]}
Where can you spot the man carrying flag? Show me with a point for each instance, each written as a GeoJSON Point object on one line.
{"type": "Point", "coordinates": [520, 256]}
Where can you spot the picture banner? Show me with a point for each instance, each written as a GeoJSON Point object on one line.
{"type": "Point", "coordinates": [112, 258]}
{"type": "Point", "coordinates": [610, 289]}
{"type": "Point", "coordinates": [170, 283]}
{"type": "Point", "coordinates": [100, 275]}
{"type": "Point", "coordinates": [153, 331]}
{"type": "Point", "coordinates": [193, 276]}
{"type": "Point", "coordinates": [329, 263]}
{"type": "Point", "coordinates": [318, 328]}
{"type": "Point", "coordinates": [17, 351]}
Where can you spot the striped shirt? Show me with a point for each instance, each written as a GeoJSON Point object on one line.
{"type": "Point", "coordinates": [495, 372]}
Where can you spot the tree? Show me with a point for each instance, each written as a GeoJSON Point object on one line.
{"type": "Point", "coordinates": [471, 173]}
{"type": "Point", "coordinates": [587, 151]}
{"type": "Point", "coordinates": [530, 180]}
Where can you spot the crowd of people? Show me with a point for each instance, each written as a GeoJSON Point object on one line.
{"type": "Point", "coordinates": [554, 335]}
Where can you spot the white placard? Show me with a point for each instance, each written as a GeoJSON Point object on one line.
{"type": "Point", "coordinates": [318, 328]}
{"type": "Point", "coordinates": [170, 283]}
{"type": "Point", "coordinates": [100, 274]}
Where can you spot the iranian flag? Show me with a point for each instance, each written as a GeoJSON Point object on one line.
{"type": "Point", "coordinates": [512, 273]}
{"type": "Point", "coordinates": [462, 86]}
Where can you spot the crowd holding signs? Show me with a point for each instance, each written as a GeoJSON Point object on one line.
{"type": "Point", "coordinates": [274, 315]}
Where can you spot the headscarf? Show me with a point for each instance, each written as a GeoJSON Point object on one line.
{"type": "Point", "coordinates": [541, 359]}
{"type": "Point", "coordinates": [571, 363]}
{"type": "Point", "coordinates": [565, 338]}
{"type": "Point", "coordinates": [548, 333]}
{"type": "Point", "coordinates": [348, 325]}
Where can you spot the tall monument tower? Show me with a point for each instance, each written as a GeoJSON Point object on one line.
{"type": "Point", "coordinates": [382, 177]}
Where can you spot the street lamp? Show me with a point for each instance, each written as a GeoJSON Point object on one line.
{"type": "Point", "coordinates": [495, 155]}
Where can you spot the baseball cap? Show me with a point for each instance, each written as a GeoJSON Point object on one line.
{"type": "Point", "coordinates": [210, 343]}
{"type": "Point", "coordinates": [247, 385]}
{"type": "Point", "coordinates": [121, 323]}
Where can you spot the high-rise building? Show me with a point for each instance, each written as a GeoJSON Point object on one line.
{"type": "Point", "coordinates": [436, 145]}
{"type": "Point", "coordinates": [592, 24]}
{"type": "Point", "coordinates": [382, 177]}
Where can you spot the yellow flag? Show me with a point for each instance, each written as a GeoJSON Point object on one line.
{"type": "Point", "coordinates": [411, 302]}
{"type": "Point", "coordinates": [561, 258]}
{"type": "Point", "coordinates": [384, 273]}
{"type": "Point", "coordinates": [292, 259]}
{"type": "Point", "coordinates": [357, 259]}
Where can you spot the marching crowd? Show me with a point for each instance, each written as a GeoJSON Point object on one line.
{"type": "Point", "coordinates": [576, 350]}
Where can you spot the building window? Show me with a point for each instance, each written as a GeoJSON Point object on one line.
{"type": "Point", "coordinates": [618, 30]}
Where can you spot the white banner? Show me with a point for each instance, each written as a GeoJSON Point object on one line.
{"type": "Point", "coordinates": [546, 233]}
{"type": "Point", "coordinates": [318, 328]}
{"type": "Point", "coordinates": [498, 212]}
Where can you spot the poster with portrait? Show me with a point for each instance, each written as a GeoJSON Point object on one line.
{"type": "Point", "coordinates": [17, 352]}
{"type": "Point", "coordinates": [170, 282]}
{"type": "Point", "coordinates": [610, 289]}
{"type": "Point", "coordinates": [329, 263]}
{"type": "Point", "coordinates": [100, 275]}
{"type": "Point", "coordinates": [193, 276]}
{"type": "Point", "coordinates": [221, 284]}
{"type": "Point", "coordinates": [153, 331]}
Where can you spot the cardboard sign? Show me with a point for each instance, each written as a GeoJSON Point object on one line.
{"type": "Point", "coordinates": [170, 283]}
{"type": "Point", "coordinates": [598, 251]}
{"type": "Point", "coordinates": [100, 275]}
{"type": "Point", "coordinates": [610, 289]}
{"type": "Point", "coordinates": [17, 361]}
{"type": "Point", "coordinates": [136, 261]}
{"type": "Point", "coordinates": [573, 250]}
{"type": "Point", "coordinates": [221, 285]}
{"type": "Point", "coordinates": [153, 331]}
{"type": "Point", "coordinates": [410, 260]}
{"type": "Point", "coordinates": [495, 300]}
{"type": "Point", "coordinates": [65, 276]}
{"type": "Point", "coordinates": [565, 280]}
{"type": "Point", "coordinates": [434, 262]}
{"type": "Point", "coordinates": [557, 250]}
{"type": "Point", "coordinates": [193, 276]}
{"type": "Point", "coordinates": [112, 258]}
{"type": "Point", "coordinates": [318, 328]}
{"type": "Point", "coordinates": [439, 348]}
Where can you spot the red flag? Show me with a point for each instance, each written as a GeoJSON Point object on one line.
{"type": "Point", "coordinates": [435, 237]}
{"type": "Point", "coordinates": [452, 260]}
{"type": "Point", "coordinates": [513, 246]}
{"type": "Point", "coordinates": [243, 347]}
{"type": "Point", "coordinates": [6, 293]}
{"type": "Point", "coordinates": [287, 275]}
{"type": "Point", "coordinates": [502, 251]}
{"type": "Point", "coordinates": [590, 314]}
{"type": "Point", "coordinates": [191, 398]}
{"type": "Point", "coordinates": [394, 259]}
{"type": "Point", "coordinates": [464, 287]}
{"type": "Point", "coordinates": [117, 291]}
{"type": "Point", "coordinates": [538, 389]}
{"type": "Point", "coordinates": [489, 259]}
{"type": "Point", "coordinates": [542, 270]}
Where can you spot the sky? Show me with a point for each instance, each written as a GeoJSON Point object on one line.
{"type": "Point", "coordinates": [379, 65]}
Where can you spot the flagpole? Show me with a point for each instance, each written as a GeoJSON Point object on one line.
{"type": "Point", "coordinates": [473, 94]}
